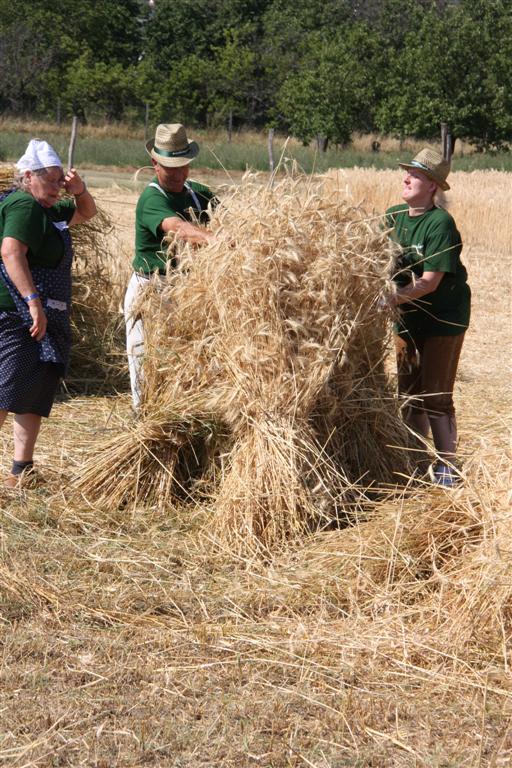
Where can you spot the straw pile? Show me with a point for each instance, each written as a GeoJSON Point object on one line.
{"type": "Point", "coordinates": [427, 565]}
{"type": "Point", "coordinates": [267, 350]}
{"type": "Point", "coordinates": [98, 336]}
{"type": "Point", "coordinates": [97, 354]}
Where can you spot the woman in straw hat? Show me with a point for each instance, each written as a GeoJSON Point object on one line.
{"type": "Point", "coordinates": [35, 293]}
{"type": "Point", "coordinates": [434, 300]}
{"type": "Point", "coordinates": [170, 204]}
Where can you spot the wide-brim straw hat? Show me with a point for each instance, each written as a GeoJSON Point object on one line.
{"type": "Point", "coordinates": [430, 162]}
{"type": "Point", "coordinates": [171, 147]}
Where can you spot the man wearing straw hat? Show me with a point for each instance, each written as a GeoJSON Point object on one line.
{"type": "Point", "coordinates": [434, 300]}
{"type": "Point", "coordinates": [169, 205]}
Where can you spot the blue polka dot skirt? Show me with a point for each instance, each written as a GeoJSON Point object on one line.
{"type": "Point", "coordinates": [27, 385]}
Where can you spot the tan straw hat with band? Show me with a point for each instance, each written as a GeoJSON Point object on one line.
{"type": "Point", "coordinates": [430, 162]}
{"type": "Point", "coordinates": [170, 147]}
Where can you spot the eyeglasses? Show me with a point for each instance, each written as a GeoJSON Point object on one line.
{"type": "Point", "coordinates": [57, 183]}
{"type": "Point", "coordinates": [51, 182]}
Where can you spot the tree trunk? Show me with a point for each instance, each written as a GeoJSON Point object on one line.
{"type": "Point", "coordinates": [447, 142]}
{"type": "Point", "coordinates": [321, 142]}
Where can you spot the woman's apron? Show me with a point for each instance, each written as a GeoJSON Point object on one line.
{"type": "Point", "coordinates": [54, 289]}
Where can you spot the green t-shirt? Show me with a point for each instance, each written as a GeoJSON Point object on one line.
{"type": "Point", "coordinates": [24, 219]}
{"type": "Point", "coordinates": [431, 243]}
{"type": "Point", "coordinates": [155, 205]}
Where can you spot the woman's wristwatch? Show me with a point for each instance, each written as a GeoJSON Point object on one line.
{"type": "Point", "coordinates": [31, 297]}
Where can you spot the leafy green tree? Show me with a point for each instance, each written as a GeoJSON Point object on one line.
{"type": "Point", "coordinates": [453, 69]}
{"type": "Point", "coordinates": [174, 31]}
{"type": "Point", "coordinates": [332, 92]}
{"type": "Point", "coordinates": [315, 67]}
{"type": "Point", "coordinates": [232, 79]}
{"type": "Point", "coordinates": [394, 19]}
{"type": "Point", "coordinates": [184, 94]}
{"type": "Point", "coordinates": [24, 60]}
{"type": "Point", "coordinates": [58, 34]}
{"type": "Point", "coordinates": [105, 89]}
{"type": "Point", "coordinates": [217, 41]}
{"type": "Point", "coordinates": [286, 29]}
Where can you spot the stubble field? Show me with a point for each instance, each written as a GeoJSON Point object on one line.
{"type": "Point", "coordinates": [128, 640]}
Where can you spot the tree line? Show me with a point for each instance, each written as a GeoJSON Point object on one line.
{"type": "Point", "coordinates": [312, 68]}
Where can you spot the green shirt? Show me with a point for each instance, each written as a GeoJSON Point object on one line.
{"type": "Point", "coordinates": [431, 243]}
{"type": "Point", "coordinates": [155, 205]}
{"type": "Point", "coordinates": [24, 219]}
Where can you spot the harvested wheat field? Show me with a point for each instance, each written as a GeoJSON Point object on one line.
{"type": "Point", "coordinates": [179, 622]}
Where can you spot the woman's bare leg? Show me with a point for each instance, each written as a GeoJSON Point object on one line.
{"type": "Point", "coordinates": [26, 429]}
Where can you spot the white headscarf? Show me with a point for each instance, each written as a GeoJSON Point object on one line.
{"type": "Point", "coordinates": [39, 154]}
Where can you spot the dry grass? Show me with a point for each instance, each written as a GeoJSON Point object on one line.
{"type": "Point", "coordinates": [360, 142]}
{"type": "Point", "coordinates": [408, 146]}
{"type": "Point", "coordinates": [127, 641]}
{"type": "Point", "coordinates": [42, 128]}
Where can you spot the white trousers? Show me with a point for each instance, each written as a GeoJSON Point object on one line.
{"type": "Point", "coordinates": [134, 335]}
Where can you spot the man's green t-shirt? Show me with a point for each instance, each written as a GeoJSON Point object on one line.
{"type": "Point", "coordinates": [24, 219]}
{"type": "Point", "coordinates": [155, 205]}
{"type": "Point", "coordinates": [431, 243]}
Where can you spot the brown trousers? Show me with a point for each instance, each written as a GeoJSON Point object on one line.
{"type": "Point", "coordinates": [426, 368]}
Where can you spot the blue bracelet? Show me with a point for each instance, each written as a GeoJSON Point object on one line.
{"type": "Point", "coordinates": [31, 297]}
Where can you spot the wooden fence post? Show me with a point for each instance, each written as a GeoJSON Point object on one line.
{"type": "Point", "coordinates": [146, 121]}
{"type": "Point", "coordinates": [446, 142]}
{"type": "Point", "coordinates": [230, 126]}
{"type": "Point", "coordinates": [271, 149]}
{"type": "Point", "coordinates": [72, 141]}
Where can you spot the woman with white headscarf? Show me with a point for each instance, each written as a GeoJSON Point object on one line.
{"type": "Point", "coordinates": [35, 292]}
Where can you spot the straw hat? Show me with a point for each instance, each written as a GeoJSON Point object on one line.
{"type": "Point", "coordinates": [430, 162]}
{"type": "Point", "coordinates": [170, 147]}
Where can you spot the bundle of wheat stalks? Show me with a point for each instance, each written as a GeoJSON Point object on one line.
{"type": "Point", "coordinates": [98, 328]}
{"type": "Point", "coordinates": [264, 364]}
{"type": "Point", "coordinates": [96, 331]}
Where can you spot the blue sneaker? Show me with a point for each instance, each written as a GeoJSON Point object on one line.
{"type": "Point", "coordinates": [443, 475]}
